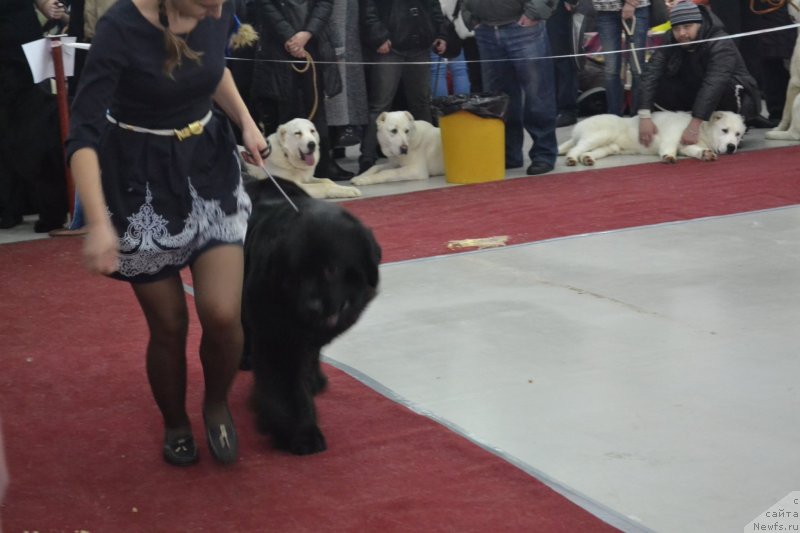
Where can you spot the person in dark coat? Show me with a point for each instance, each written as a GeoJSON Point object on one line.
{"type": "Point", "coordinates": [290, 29]}
{"type": "Point", "coordinates": [696, 77]}
{"type": "Point", "coordinates": [31, 159]}
{"type": "Point", "coordinates": [767, 55]}
{"type": "Point", "coordinates": [559, 31]}
{"type": "Point", "coordinates": [398, 35]}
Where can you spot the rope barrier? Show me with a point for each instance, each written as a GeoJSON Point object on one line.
{"type": "Point", "coordinates": [85, 46]}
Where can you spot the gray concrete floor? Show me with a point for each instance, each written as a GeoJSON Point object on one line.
{"type": "Point", "coordinates": [656, 384]}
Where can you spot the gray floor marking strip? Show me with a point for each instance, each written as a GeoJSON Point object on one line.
{"type": "Point", "coordinates": [597, 509]}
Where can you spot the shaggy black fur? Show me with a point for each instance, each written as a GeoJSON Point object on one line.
{"type": "Point", "coordinates": [308, 277]}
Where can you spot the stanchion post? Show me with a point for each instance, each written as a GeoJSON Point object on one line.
{"type": "Point", "coordinates": [63, 114]}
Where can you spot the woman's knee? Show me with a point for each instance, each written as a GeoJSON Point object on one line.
{"type": "Point", "coordinates": [223, 323]}
{"type": "Point", "coordinates": [171, 329]}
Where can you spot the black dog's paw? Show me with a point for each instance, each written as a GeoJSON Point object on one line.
{"type": "Point", "coordinates": [307, 442]}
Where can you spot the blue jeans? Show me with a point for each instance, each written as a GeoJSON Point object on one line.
{"type": "Point", "coordinates": [609, 27]}
{"type": "Point", "coordinates": [77, 221]}
{"type": "Point", "coordinates": [529, 83]}
{"type": "Point", "coordinates": [458, 70]}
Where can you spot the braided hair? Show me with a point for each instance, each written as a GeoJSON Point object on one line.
{"type": "Point", "coordinates": [174, 45]}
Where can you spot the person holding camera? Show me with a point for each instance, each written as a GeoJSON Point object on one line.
{"type": "Point", "coordinates": [398, 35]}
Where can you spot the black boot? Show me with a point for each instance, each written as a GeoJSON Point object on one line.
{"type": "Point", "coordinates": [9, 221]}
{"type": "Point", "coordinates": [334, 172]}
{"type": "Point", "coordinates": [760, 122]}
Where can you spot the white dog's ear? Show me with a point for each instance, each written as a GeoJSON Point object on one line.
{"type": "Point", "coordinates": [282, 133]}
{"type": "Point", "coordinates": [382, 117]}
{"type": "Point", "coordinates": [409, 116]}
{"type": "Point", "coordinates": [716, 116]}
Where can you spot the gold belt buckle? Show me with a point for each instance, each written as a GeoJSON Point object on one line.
{"type": "Point", "coordinates": [195, 128]}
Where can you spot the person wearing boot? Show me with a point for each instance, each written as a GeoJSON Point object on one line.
{"type": "Point", "coordinates": [697, 77]}
{"type": "Point", "coordinates": [398, 35]}
{"type": "Point", "coordinates": [287, 80]}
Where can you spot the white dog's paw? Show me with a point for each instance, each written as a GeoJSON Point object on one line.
{"type": "Point", "coordinates": [709, 155]}
{"type": "Point", "coordinates": [343, 191]}
{"type": "Point", "coordinates": [571, 161]}
{"type": "Point", "coordinates": [669, 158]}
{"type": "Point", "coordinates": [587, 160]}
{"type": "Point", "coordinates": [363, 179]}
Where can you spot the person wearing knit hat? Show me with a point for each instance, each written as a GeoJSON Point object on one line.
{"type": "Point", "coordinates": [685, 13]}
{"type": "Point", "coordinates": [704, 75]}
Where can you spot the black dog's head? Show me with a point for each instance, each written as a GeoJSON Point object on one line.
{"type": "Point", "coordinates": [331, 278]}
{"type": "Point", "coordinates": [319, 266]}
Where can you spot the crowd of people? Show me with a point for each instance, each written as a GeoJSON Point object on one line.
{"type": "Point", "coordinates": [341, 63]}
{"type": "Point", "coordinates": [160, 107]}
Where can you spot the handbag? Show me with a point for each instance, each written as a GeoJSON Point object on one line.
{"type": "Point", "coordinates": [451, 37]}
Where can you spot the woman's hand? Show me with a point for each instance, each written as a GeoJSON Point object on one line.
{"type": "Point", "coordinates": [257, 149]}
{"type": "Point", "coordinates": [101, 248]}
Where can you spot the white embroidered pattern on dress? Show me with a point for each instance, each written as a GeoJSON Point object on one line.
{"type": "Point", "coordinates": [147, 246]}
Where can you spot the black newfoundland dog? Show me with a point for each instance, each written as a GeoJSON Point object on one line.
{"type": "Point", "coordinates": [308, 277]}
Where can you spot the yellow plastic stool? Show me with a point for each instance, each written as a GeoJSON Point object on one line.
{"type": "Point", "coordinates": [474, 148]}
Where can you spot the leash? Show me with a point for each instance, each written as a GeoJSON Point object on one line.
{"type": "Point", "coordinates": [302, 70]}
{"type": "Point", "coordinates": [264, 155]}
{"type": "Point", "coordinates": [631, 44]}
{"type": "Point", "coordinates": [283, 192]}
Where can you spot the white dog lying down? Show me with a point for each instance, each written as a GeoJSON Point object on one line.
{"type": "Point", "coordinates": [294, 157]}
{"type": "Point", "coordinates": [413, 147]}
{"type": "Point", "coordinates": [603, 135]}
{"type": "Point", "coordinates": [789, 128]}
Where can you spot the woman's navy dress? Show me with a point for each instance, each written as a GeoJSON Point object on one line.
{"type": "Point", "coordinates": [168, 199]}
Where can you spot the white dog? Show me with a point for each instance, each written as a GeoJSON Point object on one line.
{"type": "Point", "coordinates": [603, 135]}
{"type": "Point", "coordinates": [789, 128]}
{"type": "Point", "coordinates": [413, 147]}
{"type": "Point", "coordinates": [294, 157]}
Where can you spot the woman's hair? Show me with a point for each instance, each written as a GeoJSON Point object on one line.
{"type": "Point", "coordinates": [175, 46]}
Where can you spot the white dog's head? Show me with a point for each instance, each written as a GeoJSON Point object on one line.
{"type": "Point", "coordinates": [725, 131]}
{"type": "Point", "coordinates": [299, 141]}
{"type": "Point", "coordinates": [395, 130]}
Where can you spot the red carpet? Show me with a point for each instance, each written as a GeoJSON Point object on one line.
{"type": "Point", "coordinates": [83, 434]}
{"type": "Point", "coordinates": [555, 205]}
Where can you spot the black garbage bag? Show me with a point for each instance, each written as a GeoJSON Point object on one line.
{"type": "Point", "coordinates": [485, 105]}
